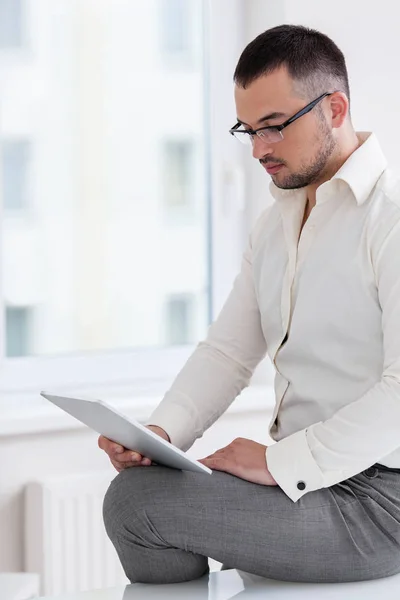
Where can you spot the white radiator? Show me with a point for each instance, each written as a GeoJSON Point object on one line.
{"type": "Point", "coordinates": [65, 539]}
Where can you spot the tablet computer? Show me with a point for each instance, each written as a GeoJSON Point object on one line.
{"type": "Point", "coordinates": [106, 420]}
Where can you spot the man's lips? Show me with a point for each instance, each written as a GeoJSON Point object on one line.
{"type": "Point", "coordinates": [272, 168]}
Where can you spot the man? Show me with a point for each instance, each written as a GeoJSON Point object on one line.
{"type": "Point", "coordinates": [319, 291]}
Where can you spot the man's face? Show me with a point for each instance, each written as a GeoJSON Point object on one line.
{"type": "Point", "coordinates": [301, 158]}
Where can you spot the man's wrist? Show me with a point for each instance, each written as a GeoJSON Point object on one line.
{"type": "Point", "coordinates": [160, 431]}
{"type": "Point", "coordinates": [272, 480]}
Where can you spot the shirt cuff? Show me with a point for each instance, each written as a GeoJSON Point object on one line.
{"type": "Point", "coordinates": [178, 421]}
{"type": "Point", "coordinates": [293, 467]}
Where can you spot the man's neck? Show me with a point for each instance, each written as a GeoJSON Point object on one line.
{"type": "Point", "coordinates": [347, 147]}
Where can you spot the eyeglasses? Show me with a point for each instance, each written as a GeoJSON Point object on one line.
{"type": "Point", "coordinates": [272, 134]}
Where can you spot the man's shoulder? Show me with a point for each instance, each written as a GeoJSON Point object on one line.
{"type": "Point", "coordinates": [388, 191]}
{"type": "Point", "coordinates": [384, 210]}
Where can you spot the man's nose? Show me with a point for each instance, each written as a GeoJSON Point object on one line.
{"type": "Point", "coordinates": [260, 148]}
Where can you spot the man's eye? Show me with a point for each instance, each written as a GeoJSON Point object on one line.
{"type": "Point", "coordinates": [268, 131]}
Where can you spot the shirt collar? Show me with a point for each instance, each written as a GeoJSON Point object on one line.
{"type": "Point", "coordinates": [360, 172]}
{"type": "Point", "coordinates": [364, 167]}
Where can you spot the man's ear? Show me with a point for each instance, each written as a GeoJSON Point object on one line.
{"type": "Point", "coordinates": [339, 106]}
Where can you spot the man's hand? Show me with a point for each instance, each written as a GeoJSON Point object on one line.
{"type": "Point", "coordinates": [122, 458]}
{"type": "Point", "coordinates": [243, 458]}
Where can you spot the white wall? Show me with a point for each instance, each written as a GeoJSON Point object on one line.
{"type": "Point", "coordinates": [368, 34]}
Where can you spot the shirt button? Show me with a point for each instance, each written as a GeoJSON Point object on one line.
{"type": "Point", "coordinates": [301, 485]}
{"type": "Point", "coordinates": [372, 472]}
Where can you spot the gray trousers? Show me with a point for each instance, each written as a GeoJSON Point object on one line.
{"type": "Point", "coordinates": [165, 523]}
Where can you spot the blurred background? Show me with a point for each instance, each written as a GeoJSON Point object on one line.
{"type": "Point", "coordinates": [104, 134]}
{"type": "Point", "coordinates": [124, 210]}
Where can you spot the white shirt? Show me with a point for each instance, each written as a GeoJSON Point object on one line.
{"type": "Point", "coordinates": [335, 293]}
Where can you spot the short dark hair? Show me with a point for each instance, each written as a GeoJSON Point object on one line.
{"type": "Point", "coordinates": [312, 59]}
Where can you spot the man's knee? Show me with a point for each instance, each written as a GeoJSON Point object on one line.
{"type": "Point", "coordinates": [117, 505]}
{"type": "Point", "coordinates": [110, 513]}
{"type": "Point", "coordinates": [125, 498]}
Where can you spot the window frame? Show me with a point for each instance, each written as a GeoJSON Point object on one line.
{"type": "Point", "coordinates": [24, 173]}
{"type": "Point", "coordinates": [175, 56]}
{"type": "Point", "coordinates": [187, 208]}
{"type": "Point", "coordinates": [131, 372]}
{"type": "Point", "coordinates": [16, 44]}
{"type": "Point", "coordinates": [19, 316]}
{"type": "Point", "coordinates": [189, 301]}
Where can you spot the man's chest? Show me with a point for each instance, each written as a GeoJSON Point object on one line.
{"type": "Point", "coordinates": [318, 284]}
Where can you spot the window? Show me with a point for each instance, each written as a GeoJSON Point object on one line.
{"type": "Point", "coordinates": [179, 320]}
{"type": "Point", "coordinates": [104, 258]}
{"type": "Point", "coordinates": [176, 36]}
{"type": "Point", "coordinates": [15, 173]}
{"type": "Point", "coordinates": [97, 258]}
{"type": "Point", "coordinates": [179, 178]}
{"type": "Point", "coordinates": [17, 331]}
{"type": "Point", "coordinates": [10, 23]}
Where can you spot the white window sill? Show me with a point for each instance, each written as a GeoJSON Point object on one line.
{"type": "Point", "coordinates": [19, 586]}
{"type": "Point", "coordinates": [48, 418]}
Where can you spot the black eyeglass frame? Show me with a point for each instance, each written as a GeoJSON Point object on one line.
{"type": "Point", "coordinates": [300, 113]}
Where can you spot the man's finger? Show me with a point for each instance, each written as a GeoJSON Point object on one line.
{"type": "Point", "coordinates": [108, 446]}
{"type": "Point", "coordinates": [117, 465]}
{"type": "Point", "coordinates": [206, 459]}
{"type": "Point", "coordinates": [218, 455]}
{"type": "Point", "coordinates": [218, 464]}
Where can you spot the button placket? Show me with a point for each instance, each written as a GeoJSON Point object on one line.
{"type": "Point", "coordinates": [305, 241]}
